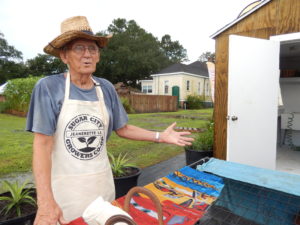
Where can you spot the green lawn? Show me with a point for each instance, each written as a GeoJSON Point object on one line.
{"type": "Point", "coordinates": [16, 144]}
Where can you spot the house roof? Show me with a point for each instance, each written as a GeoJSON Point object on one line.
{"type": "Point", "coordinates": [196, 68]}
{"type": "Point", "coordinates": [244, 13]}
{"type": "Point", "coordinates": [2, 88]}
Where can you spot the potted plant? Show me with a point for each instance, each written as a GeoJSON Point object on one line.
{"type": "Point", "coordinates": [201, 147]}
{"type": "Point", "coordinates": [18, 204]}
{"type": "Point", "coordinates": [125, 174]}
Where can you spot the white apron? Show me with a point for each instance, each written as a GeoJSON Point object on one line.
{"type": "Point", "coordinates": [80, 166]}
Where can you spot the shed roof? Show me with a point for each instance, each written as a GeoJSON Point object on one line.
{"type": "Point", "coordinates": [241, 16]}
{"type": "Point", "coordinates": [197, 68]}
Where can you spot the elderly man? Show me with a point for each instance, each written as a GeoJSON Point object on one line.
{"type": "Point", "coordinates": [72, 115]}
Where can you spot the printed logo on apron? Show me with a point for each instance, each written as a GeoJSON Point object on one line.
{"type": "Point", "coordinates": [84, 136]}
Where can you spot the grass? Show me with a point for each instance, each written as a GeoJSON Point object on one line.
{"type": "Point", "coordinates": [16, 144]}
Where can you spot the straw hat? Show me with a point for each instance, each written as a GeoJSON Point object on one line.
{"type": "Point", "coordinates": [73, 28]}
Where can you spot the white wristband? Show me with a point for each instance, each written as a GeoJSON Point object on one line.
{"type": "Point", "coordinates": [157, 135]}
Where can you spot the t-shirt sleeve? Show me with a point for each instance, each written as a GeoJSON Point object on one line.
{"type": "Point", "coordinates": [42, 115]}
{"type": "Point", "coordinates": [119, 116]}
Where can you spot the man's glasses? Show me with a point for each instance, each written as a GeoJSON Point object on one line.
{"type": "Point", "coordinates": [80, 49]}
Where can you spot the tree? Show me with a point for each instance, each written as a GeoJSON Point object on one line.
{"type": "Point", "coordinates": [132, 54]}
{"type": "Point", "coordinates": [8, 52]}
{"type": "Point", "coordinates": [173, 49]}
{"type": "Point", "coordinates": [10, 70]}
{"type": "Point", "coordinates": [11, 64]}
{"type": "Point", "coordinates": [44, 64]}
{"type": "Point", "coordinates": [207, 56]}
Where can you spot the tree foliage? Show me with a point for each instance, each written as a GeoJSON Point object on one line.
{"type": "Point", "coordinates": [133, 54]}
{"type": "Point", "coordinates": [11, 70]}
{"type": "Point", "coordinates": [11, 65]}
{"type": "Point", "coordinates": [207, 57]}
{"type": "Point", "coordinates": [8, 52]}
{"type": "Point", "coordinates": [45, 64]}
{"type": "Point", "coordinates": [173, 49]}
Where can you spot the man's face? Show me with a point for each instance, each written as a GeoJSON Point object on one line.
{"type": "Point", "coordinates": [82, 56]}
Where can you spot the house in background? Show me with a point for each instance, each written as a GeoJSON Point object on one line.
{"type": "Point", "coordinates": [180, 80]}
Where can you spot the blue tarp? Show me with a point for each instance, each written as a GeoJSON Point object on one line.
{"type": "Point", "coordinates": [281, 181]}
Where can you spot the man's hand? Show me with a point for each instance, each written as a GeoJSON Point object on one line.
{"type": "Point", "coordinates": [49, 213]}
{"type": "Point", "coordinates": [171, 136]}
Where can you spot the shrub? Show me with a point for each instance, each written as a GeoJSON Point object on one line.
{"type": "Point", "coordinates": [18, 92]}
{"type": "Point", "coordinates": [195, 102]}
{"type": "Point", "coordinates": [126, 104]}
{"type": "Point", "coordinates": [119, 164]}
{"type": "Point", "coordinates": [19, 196]}
{"type": "Point", "coordinates": [204, 141]}
{"type": "Point", "coordinates": [3, 107]}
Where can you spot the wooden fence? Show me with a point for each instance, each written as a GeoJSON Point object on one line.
{"type": "Point", "coordinates": [2, 98]}
{"type": "Point", "coordinates": [152, 103]}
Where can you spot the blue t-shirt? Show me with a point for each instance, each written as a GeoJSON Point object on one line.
{"type": "Point", "coordinates": [48, 96]}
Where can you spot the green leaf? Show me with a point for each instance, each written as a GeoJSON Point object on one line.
{"type": "Point", "coordinates": [119, 164]}
{"type": "Point", "coordinates": [19, 194]}
{"type": "Point", "coordinates": [4, 198]}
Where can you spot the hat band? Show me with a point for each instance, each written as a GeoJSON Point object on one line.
{"type": "Point", "coordinates": [87, 32]}
{"type": "Point", "coordinates": [84, 31]}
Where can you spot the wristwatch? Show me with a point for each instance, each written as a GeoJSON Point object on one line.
{"type": "Point", "coordinates": [157, 136]}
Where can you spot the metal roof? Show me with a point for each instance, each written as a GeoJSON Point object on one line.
{"type": "Point", "coordinates": [2, 88]}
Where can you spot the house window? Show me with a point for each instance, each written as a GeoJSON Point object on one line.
{"type": "Point", "coordinates": [199, 88]}
{"type": "Point", "coordinates": [147, 89]}
{"type": "Point", "coordinates": [144, 89]}
{"type": "Point", "coordinates": [187, 85]}
{"type": "Point", "coordinates": [166, 86]}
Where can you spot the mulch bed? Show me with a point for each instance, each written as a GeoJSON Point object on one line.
{"type": "Point", "coordinates": [16, 113]}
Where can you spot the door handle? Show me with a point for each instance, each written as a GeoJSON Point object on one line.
{"type": "Point", "coordinates": [234, 118]}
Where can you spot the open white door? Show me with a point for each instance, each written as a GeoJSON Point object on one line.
{"type": "Point", "coordinates": [253, 76]}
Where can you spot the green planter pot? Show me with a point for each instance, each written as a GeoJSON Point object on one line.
{"type": "Point", "coordinates": [192, 156]}
{"type": "Point", "coordinates": [125, 183]}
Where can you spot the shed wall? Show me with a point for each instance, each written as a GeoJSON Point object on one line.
{"type": "Point", "coordinates": [275, 18]}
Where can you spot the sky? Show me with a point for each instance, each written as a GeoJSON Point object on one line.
{"type": "Point", "coordinates": [29, 25]}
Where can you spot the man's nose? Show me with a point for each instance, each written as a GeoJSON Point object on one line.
{"type": "Point", "coordinates": [86, 52]}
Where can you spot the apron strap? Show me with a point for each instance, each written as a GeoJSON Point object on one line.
{"type": "Point", "coordinates": [98, 92]}
{"type": "Point", "coordinates": [67, 87]}
{"type": "Point", "coordinates": [101, 100]}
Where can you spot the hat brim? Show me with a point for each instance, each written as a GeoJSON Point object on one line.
{"type": "Point", "coordinates": [54, 47]}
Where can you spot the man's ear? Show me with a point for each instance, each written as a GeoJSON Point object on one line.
{"type": "Point", "coordinates": [63, 56]}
